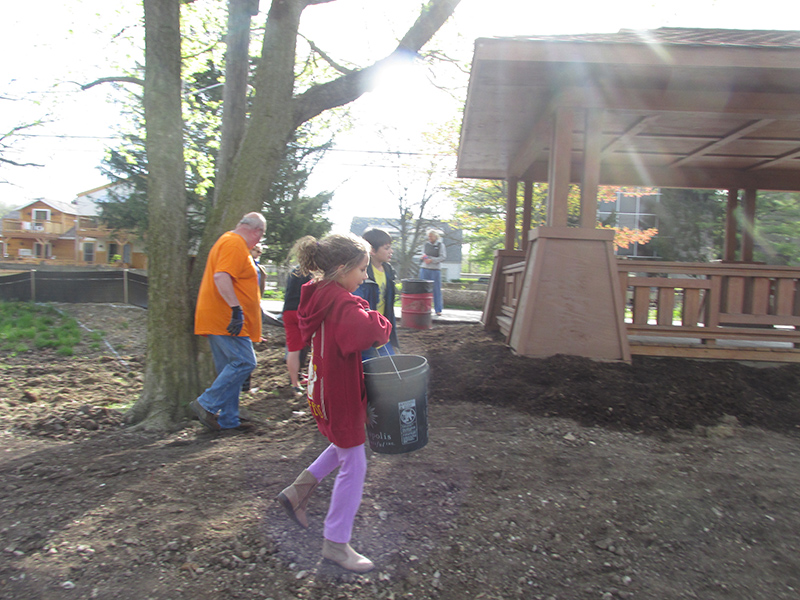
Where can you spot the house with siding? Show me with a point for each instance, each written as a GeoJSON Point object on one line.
{"type": "Point", "coordinates": [48, 232]}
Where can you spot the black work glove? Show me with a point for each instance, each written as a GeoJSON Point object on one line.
{"type": "Point", "coordinates": [237, 320]}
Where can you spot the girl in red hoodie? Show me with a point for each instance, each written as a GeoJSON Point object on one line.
{"type": "Point", "coordinates": [338, 326]}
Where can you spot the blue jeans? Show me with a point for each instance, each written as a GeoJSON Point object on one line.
{"type": "Point", "coordinates": [234, 359]}
{"type": "Point", "coordinates": [434, 275]}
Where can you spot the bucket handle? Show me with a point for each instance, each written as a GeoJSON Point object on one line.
{"type": "Point", "coordinates": [395, 366]}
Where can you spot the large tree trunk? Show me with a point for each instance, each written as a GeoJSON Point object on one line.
{"type": "Point", "coordinates": [170, 376]}
{"type": "Point", "coordinates": [269, 128]}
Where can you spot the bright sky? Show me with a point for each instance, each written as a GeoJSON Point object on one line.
{"type": "Point", "coordinates": [82, 40]}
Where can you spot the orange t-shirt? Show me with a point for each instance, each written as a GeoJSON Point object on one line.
{"type": "Point", "coordinates": [212, 315]}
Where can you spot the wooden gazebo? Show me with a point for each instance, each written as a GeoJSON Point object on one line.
{"type": "Point", "coordinates": [679, 108]}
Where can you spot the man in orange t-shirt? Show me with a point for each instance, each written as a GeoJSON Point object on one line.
{"type": "Point", "coordinates": [229, 313]}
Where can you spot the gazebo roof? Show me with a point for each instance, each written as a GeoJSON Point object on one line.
{"type": "Point", "coordinates": [700, 108]}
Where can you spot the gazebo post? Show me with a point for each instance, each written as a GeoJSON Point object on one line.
{"type": "Point", "coordinates": [502, 258]}
{"type": "Point", "coordinates": [511, 213]}
{"type": "Point", "coordinates": [729, 254]}
{"type": "Point", "coordinates": [527, 208]}
{"type": "Point", "coordinates": [590, 178]}
{"type": "Point", "coordinates": [559, 168]}
{"type": "Point", "coordinates": [749, 220]}
{"type": "Point", "coordinates": [571, 301]}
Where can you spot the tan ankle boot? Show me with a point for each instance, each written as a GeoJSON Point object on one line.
{"type": "Point", "coordinates": [295, 497]}
{"type": "Point", "coordinates": [346, 557]}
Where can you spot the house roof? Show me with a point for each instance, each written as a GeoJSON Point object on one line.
{"type": "Point", "coordinates": [85, 203]}
{"type": "Point", "coordinates": [62, 207]}
{"type": "Point", "coordinates": [702, 108]}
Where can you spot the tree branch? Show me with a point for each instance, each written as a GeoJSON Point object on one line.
{"type": "Point", "coordinates": [17, 128]}
{"type": "Point", "coordinates": [351, 86]}
{"type": "Point", "coordinates": [16, 164]}
{"type": "Point", "coordinates": [135, 80]}
{"type": "Point", "coordinates": [342, 69]}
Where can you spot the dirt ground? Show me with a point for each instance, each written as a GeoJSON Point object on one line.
{"type": "Point", "coordinates": [546, 479]}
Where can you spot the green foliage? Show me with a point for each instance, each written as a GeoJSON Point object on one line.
{"type": "Point", "coordinates": [290, 215]}
{"type": "Point", "coordinates": [481, 213]}
{"type": "Point", "coordinates": [126, 208]}
{"type": "Point", "coordinates": [23, 325]}
{"type": "Point", "coordinates": [777, 228]}
{"type": "Point", "coordinates": [691, 225]}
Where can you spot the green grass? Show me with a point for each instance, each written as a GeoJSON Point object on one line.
{"type": "Point", "coordinates": [25, 326]}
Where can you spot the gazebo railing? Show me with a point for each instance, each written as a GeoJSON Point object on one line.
{"type": "Point", "coordinates": [703, 301]}
{"type": "Point", "coordinates": [711, 301]}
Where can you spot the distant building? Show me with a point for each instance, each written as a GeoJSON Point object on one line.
{"type": "Point", "coordinates": [452, 237]}
{"type": "Point", "coordinates": [51, 232]}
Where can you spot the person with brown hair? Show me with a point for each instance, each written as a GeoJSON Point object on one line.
{"type": "Point", "coordinates": [378, 289]}
{"type": "Point", "coordinates": [338, 326]}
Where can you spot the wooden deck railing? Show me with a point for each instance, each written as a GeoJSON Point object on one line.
{"type": "Point", "coordinates": [703, 301]}
{"type": "Point", "coordinates": [711, 301]}
{"type": "Point", "coordinates": [33, 227]}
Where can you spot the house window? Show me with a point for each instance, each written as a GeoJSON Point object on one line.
{"type": "Point", "coordinates": [634, 212]}
{"type": "Point", "coordinates": [41, 214]}
{"type": "Point", "coordinates": [42, 250]}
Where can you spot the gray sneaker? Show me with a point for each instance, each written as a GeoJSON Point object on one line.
{"type": "Point", "coordinates": [205, 417]}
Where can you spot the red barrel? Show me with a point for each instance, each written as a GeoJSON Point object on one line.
{"type": "Point", "coordinates": [416, 301]}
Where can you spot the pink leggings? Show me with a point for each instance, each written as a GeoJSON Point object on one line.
{"type": "Point", "coordinates": [347, 489]}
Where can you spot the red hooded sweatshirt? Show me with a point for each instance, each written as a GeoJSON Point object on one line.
{"type": "Point", "coordinates": [338, 326]}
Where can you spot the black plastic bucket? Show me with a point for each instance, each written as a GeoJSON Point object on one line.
{"type": "Point", "coordinates": [416, 300]}
{"type": "Point", "coordinates": [397, 403]}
